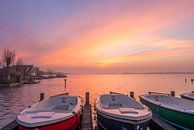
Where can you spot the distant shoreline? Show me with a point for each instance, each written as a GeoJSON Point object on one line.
{"type": "Point", "coordinates": [137, 73]}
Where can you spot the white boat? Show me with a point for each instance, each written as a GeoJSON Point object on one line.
{"type": "Point", "coordinates": [60, 112]}
{"type": "Point", "coordinates": [120, 112]}
{"type": "Point", "coordinates": [189, 96]}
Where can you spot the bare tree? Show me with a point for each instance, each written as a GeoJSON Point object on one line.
{"type": "Point", "coordinates": [8, 57]}
{"type": "Point", "coordinates": [1, 64]}
{"type": "Point", "coordinates": [19, 61]}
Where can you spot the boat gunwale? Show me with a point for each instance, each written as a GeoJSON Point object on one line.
{"type": "Point", "coordinates": [124, 120]}
{"type": "Point", "coordinates": [44, 125]}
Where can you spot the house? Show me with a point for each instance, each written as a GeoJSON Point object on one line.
{"type": "Point", "coordinates": [16, 73]}
{"type": "Point", "coordinates": [1, 74]}
{"type": "Point", "coordinates": [8, 75]}
{"type": "Point", "coordinates": [26, 71]}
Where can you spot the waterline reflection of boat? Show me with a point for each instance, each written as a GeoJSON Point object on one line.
{"type": "Point", "coordinates": [60, 112]}
{"type": "Point", "coordinates": [120, 112]}
{"type": "Point", "coordinates": [176, 111]}
{"type": "Point", "coordinates": [32, 82]}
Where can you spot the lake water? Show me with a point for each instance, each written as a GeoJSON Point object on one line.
{"type": "Point", "coordinates": [13, 100]}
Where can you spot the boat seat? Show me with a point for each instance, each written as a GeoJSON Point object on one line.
{"type": "Point", "coordinates": [128, 110]}
{"type": "Point", "coordinates": [42, 116]}
{"type": "Point", "coordinates": [35, 117]}
{"type": "Point", "coordinates": [114, 105]}
{"type": "Point", "coordinates": [61, 107]}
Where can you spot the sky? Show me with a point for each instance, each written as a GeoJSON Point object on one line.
{"type": "Point", "coordinates": [97, 36]}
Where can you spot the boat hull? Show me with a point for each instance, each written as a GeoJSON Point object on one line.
{"type": "Point", "coordinates": [68, 124]}
{"type": "Point", "coordinates": [106, 123]}
{"type": "Point", "coordinates": [179, 119]}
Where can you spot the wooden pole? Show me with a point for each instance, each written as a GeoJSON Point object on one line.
{"type": "Point", "coordinates": [41, 96]}
{"type": "Point", "coordinates": [192, 80]}
{"type": "Point", "coordinates": [172, 93]}
{"type": "Point", "coordinates": [87, 98]}
{"type": "Point", "coordinates": [132, 94]}
{"type": "Point", "coordinates": [65, 82]}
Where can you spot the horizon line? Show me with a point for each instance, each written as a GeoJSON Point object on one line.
{"type": "Point", "coordinates": [132, 73]}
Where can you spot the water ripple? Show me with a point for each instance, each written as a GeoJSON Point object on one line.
{"type": "Point", "coordinates": [16, 99]}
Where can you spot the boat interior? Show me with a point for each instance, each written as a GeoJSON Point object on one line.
{"type": "Point", "coordinates": [172, 102]}
{"type": "Point", "coordinates": [115, 101]}
{"type": "Point", "coordinates": [63, 104]}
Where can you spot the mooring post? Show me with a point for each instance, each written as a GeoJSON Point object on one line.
{"type": "Point", "coordinates": [65, 82]}
{"type": "Point", "coordinates": [185, 80]}
{"type": "Point", "coordinates": [132, 94]}
{"type": "Point", "coordinates": [192, 80]}
{"type": "Point", "coordinates": [87, 98]}
{"type": "Point", "coordinates": [172, 93]}
{"type": "Point", "coordinates": [41, 96]}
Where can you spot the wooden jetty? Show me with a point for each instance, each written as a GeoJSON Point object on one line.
{"type": "Point", "coordinates": [87, 123]}
{"type": "Point", "coordinates": [157, 124]}
{"type": "Point", "coordinates": [11, 126]}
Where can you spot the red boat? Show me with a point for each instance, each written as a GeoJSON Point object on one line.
{"type": "Point", "coordinates": [61, 112]}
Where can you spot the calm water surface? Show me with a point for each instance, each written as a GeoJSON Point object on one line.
{"type": "Point", "coordinates": [14, 100]}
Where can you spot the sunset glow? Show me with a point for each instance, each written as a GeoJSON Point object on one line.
{"type": "Point", "coordinates": [101, 36]}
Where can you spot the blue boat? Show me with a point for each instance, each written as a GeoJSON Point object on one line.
{"type": "Point", "coordinates": [120, 112]}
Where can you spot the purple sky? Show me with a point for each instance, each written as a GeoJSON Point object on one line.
{"type": "Point", "coordinates": [100, 36]}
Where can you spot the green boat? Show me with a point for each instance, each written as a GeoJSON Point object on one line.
{"type": "Point", "coordinates": [176, 111]}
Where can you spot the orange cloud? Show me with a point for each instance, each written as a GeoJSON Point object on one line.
{"type": "Point", "coordinates": [120, 39]}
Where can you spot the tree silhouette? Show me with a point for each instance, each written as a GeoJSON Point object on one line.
{"type": "Point", "coordinates": [8, 57]}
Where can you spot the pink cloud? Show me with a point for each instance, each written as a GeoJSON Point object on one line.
{"type": "Point", "coordinates": [120, 37]}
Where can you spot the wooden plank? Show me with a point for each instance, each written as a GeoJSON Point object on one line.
{"type": "Point", "coordinates": [11, 126]}
{"type": "Point", "coordinates": [158, 124]}
{"type": "Point", "coordinates": [86, 123]}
